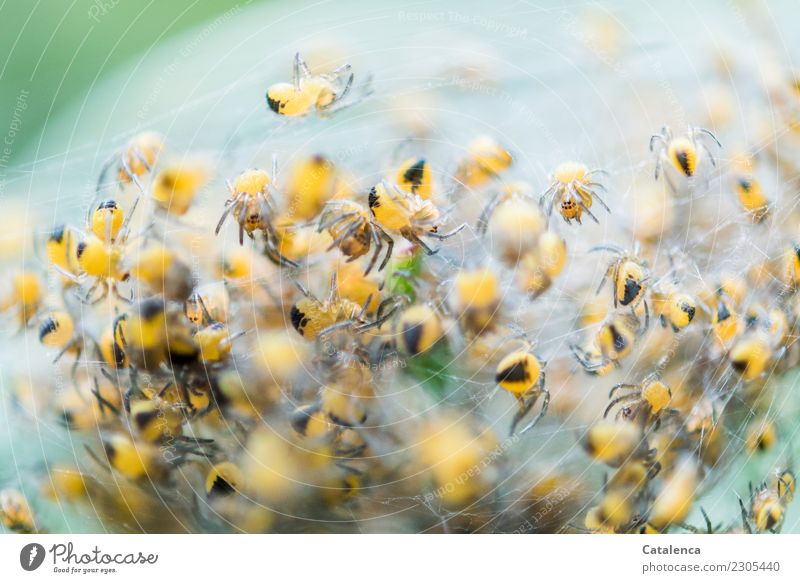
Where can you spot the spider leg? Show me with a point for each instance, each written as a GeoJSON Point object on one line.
{"type": "Point", "coordinates": [709, 527]}
{"type": "Point", "coordinates": [355, 226]}
{"type": "Point", "coordinates": [615, 388]}
{"type": "Point", "coordinates": [271, 254]}
{"type": "Point", "coordinates": [608, 247]}
{"type": "Point", "coordinates": [706, 132]}
{"type": "Point", "coordinates": [141, 157]}
{"type": "Point", "coordinates": [486, 214]}
{"type": "Point", "coordinates": [394, 301]}
{"type": "Point", "coordinates": [582, 358]}
{"type": "Point", "coordinates": [524, 409]}
{"type": "Point", "coordinates": [240, 220]}
{"type": "Point", "coordinates": [745, 520]}
{"type": "Point", "coordinates": [102, 402]}
{"type": "Point", "coordinates": [389, 246]}
{"type": "Point", "coordinates": [548, 194]}
{"type": "Point", "coordinates": [103, 294]}
{"type": "Point", "coordinates": [340, 105]}
{"type": "Point", "coordinates": [272, 250]}
{"type": "Point", "coordinates": [206, 314]}
{"type": "Point", "coordinates": [657, 139]}
{"type": "Point", "coordinates": [73, 343]}
{"type": "Point", "coordinates": [347, 87]}
{"type": "Point", "coordinates": [304, 290]}
{"type": "Point", "coordinates": [380, 319]}
{"type": "Point", "coordinates": [614, 279]}
{"type": "Point", "coordinates": [646, 314]}
{"type": "Point", "coordinates": [304, 70]}
{"type": "Point", "coordinates": [90, 292]}
{"type": "Point", "coordinates": [602, 283]}
{"type": "Point", "coordinates": [296, 72]}
{"type": "Point", "coordinates": [443, 236]}
{"type": "Point", "coordinates": [540, 416]}
{"type": "Point", "coordinates": [597, 185]}
{"type": "Point", "coordinates": [323, 225]}
{"type": "Point", "coordinates": [334, 327]}
{"type": "Point", "coordinates": [622, 399]}
{"type": "Point", "coordinates": [588, 212]}
{"type": "Point", "coordinates": [119, 296]}
{"type": "Point", "coordinates": [333, 294]}
{"type": "Point", "coordinates": [378, 244]}
{"type": "Point", "coordinates": [710, 155]}
{"type": "Point", "coordinates": [229, 340]}
{"type": "Point", "coordinates": [339, 71]}
{"type": "Point", "coordinates": [101, 179]}
{"type": "Point", "coordinates": [597, 197]}
{"type": "Point", "coordinates": [72, 277]}
{"type": "Point", "coordinates": [411, 236]}
{"type": "Point", "coordinates": [134, 179]}
{"type": "Point", "coordinates": [363, 309]}
{"type": "Point", "coordinates": [229, 206]}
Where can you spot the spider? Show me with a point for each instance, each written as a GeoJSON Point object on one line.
{"type": "Point", "coordinates": [314, 318]}
{"type": "Point", "coordinates": [354, 232]}
{"type": "Point", "coordinates": [407, 215]}
{"type": "Point", "coordinates": [133, 163]}
{"type": "Point", "coordinates": [629, 277]}
{"type": "Point", "coordinates": [251, 203]}
{"type": "Point", "coordinates": [768, 506]}
{"type": "Point", "coordinates": [307, 92]}
{"type": "Point", "coordinates": [681, 152]}
{"type": "Point", "coordinates": [651, 396]}
{"type": "Point", "coordinates": [573, 188]}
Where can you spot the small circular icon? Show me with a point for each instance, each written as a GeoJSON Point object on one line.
{"type": "Point", "coordinates": [31, 556]}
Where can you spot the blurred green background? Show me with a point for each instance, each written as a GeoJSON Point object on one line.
{"type": "Point", "coordinates": [55, 50]}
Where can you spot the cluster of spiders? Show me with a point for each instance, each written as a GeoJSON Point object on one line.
{"type": "Point", "coordinates": [242, 385]}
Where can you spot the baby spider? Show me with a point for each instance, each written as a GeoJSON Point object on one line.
{"type": "Point", "coordinates": [748, 188]}
{"type": "Point", "coordinates": [610, 344]}
{"type": "Point", "coordinates": [485, 159]}
{"type": "Point", "coordinates": [786, 484]}
{"type": "Point", "coordinates": [99, 253]}
{"type": "Point", "coordinates": [58, 330]}
{"type": "Point", "coordinates": [133, 162]}
{"type": "Point", "coordinates": [521, 373]}
{"type": "Point", "coordinates": [407, 215]}
{"type": "Point", "coordinates": [674, 307]}
{"type": "Point", "coordinates": [25, 296]}
{"type": "Point", "coordinates": [512, 219]}
{"type": "Point", "coordinates": [308, 92]}
{"type": "Point", "coordinates": [313, 318]}
{"type": "Point", "coordinates": [629, 277]}
{"type": "Point", "coordinates": [751, 355]}
{"type": "Point", "coordinates": [15, 513]}
{"type": "Point", "coordinates": [767, 508]}
{"type": "Point", "coordinates": [414, 175]}
{"type": "Point", "coordinates": [651, 396]}
{"type": "Point", "coordinates": [213, 338]}
{"type": "Point", "coordinates": [573, 188]}
{"type": "Point", "coordinates": [251, 204]}
{"type": "Point", "coordinates": [354, 232]}
{"type": "Point", "coordinates": [681, 153]}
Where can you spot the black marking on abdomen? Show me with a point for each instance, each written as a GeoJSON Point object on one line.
{"type": "Point", "coordinates": [515, 373]}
